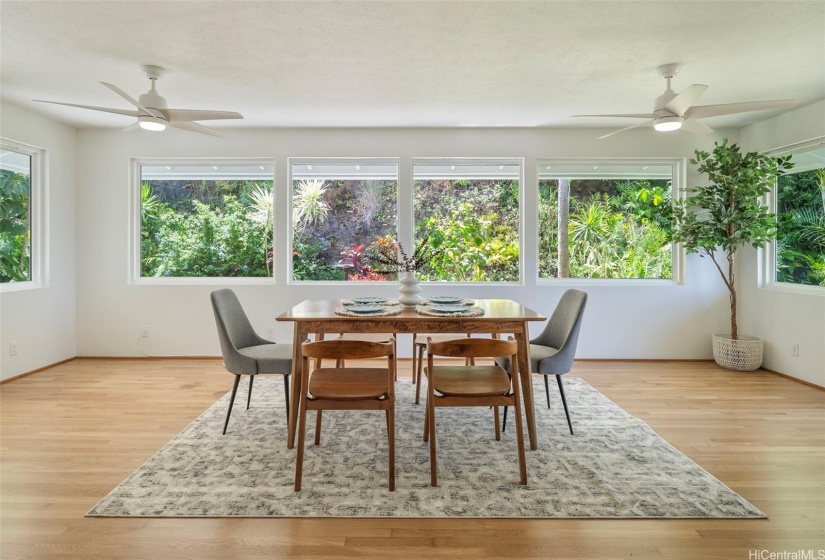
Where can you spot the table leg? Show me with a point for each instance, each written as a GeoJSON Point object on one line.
{"type": "Point", "coordinates": [297, 388]}
{"type": "Point", "coordinates": [527, 385]}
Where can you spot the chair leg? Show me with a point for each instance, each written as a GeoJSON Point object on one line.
{"type": "Point", "coordinates": [318, 427]}
{"type": "Point", "coordinates": [391, 438]}
{"type": "Point", "coordinates": [564, 402]}
{"type": "Point", "coordinates": [419, 374]}
{"type": "Point", "coordinates": [414, 361]}
{"type": "Point", "coordinates": [547, 389]}
{"type": "Point", "coordinates": [498, 430]}
{"type": "Point", "coordinates": [249, 396]}
{"type": "Point", "coordinates": [231, 402]}
{"type": "Point", "coordinates": [522, 459]}
{"type": "Point", "coordinates": [504, 423]}
{"type": "Point", "coordinates": [427, 420]}
{"type": "Point", "coordinates": [286, 395]}
{"type": "Point", "coordinates": [433, 460]}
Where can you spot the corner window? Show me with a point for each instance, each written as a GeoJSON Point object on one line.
{"type": "Point", "coordinates": [799, 252]}
{"type": "Point", "coordinates": [467, 212]}
{"type": "Point", "coordinates": [342, 210]}
{"type": "Point", "coordinates": [205, 219]}
{"type": "Point", "coordinates": [606, 219]}
{"type": "Point", "coordinates": [20, 199]}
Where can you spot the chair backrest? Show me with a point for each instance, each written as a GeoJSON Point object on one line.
{"type": "Point", "coordinates": [234, 329]}
{"type": "Point", "coordinates": [343, 349]}
{"type": "Point", "coordinates": [473, 348]}
{"type": "Point", "coordinates": [562, 330]}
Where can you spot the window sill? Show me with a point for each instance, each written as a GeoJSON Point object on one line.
{"type": "Point", "coordinates": [659, 282]}
{"type": "Point", "coordinates": [794, 288]}
{"type": "Point", "coordinates": [201, 281]}
{"type": "Point", "coordinates": [20, 286]}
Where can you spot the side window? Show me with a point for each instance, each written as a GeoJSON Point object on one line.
{"type": "Point", "coordinates": [19, 190]}
{"type": "Point", "coordinates": [467, 211]}
{"type": "Point", "coordinates": [800, 207]}
{"type": "Point", "coordinates": [605, 220]}
{"type": "Point", "coordinates": [205, 220]}
{"type": "Point", "coordinates": [342, 210]}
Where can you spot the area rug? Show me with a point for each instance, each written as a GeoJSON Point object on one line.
{"type": "Point", "coordinates": [615, 466]}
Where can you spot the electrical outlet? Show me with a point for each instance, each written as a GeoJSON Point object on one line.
{"type": "Point", "coordinates": [12, 348]}
{"type": "Point", "coordinates": [144, 331]}
{"type": "Point", "coordinates": [270, 334]}
{"type": "Point", "coordinates": [794, 349]}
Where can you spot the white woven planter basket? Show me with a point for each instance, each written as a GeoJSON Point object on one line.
{"type": "Point", "coordinates": [743, 354]}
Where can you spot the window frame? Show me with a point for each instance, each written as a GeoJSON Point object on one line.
{"type": "Point", "coordinates": [678, 186]}
{"type": "Point", "coordinates": [133, 209]}
{"type": "Point", "coordinates": [520, 281]}
{"type": "Point", "coordinates": [38, 222]}
{"type": "Point", "coordinates": [766, 256]}
{"type": "Point", "coordinates": [290, 233]}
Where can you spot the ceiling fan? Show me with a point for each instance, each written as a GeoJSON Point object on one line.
{"type": "Point", "coordinates": [672, 111]}
{"type": "Point", "coordinates": [151, 111]}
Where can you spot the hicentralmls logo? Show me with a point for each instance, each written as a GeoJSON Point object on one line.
{"type": "Point", "coordinates": [786, 555]}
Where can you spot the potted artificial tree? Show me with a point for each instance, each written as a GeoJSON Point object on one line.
{"type": "Point", "coordinates": [717, 219]}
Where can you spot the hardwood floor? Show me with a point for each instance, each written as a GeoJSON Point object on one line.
{"type": "Point", "coordinates": [71, 433]}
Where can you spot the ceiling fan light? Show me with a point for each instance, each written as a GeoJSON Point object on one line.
{"type": "Point", "coordinates": [151, 123]}
{"type": "Point", "coordinates": [668, 124]}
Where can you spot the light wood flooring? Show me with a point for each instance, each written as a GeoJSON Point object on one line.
{"type": "Point", "coordinates": [71, 433]}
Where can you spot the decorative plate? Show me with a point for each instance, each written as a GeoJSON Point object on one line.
{"type": "Point", "coordinates": [366, 308]}
{"type": "Point", "coordinates": [369, 299]}
{"type": "Point", "coordinates": [444, 299]}
{"type": "Point", "coordinates": [448, 308]}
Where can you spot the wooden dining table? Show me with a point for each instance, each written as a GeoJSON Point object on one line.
{"type": "Point", "coordinates": [318, 317]}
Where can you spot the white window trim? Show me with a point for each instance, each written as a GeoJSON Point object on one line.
{"type": "Point", "coordinates": [38, 216]}
{"type": "Point", "coordinates": [766, 256]}
{"type": "Point", "coordinates": [133, 219]}
{"type": "Point", "coordinates": [521, 211]}
{"type": "Point", "coordinates": [290, 193]}
{"type": "Point", "coordinates": [679, 166]}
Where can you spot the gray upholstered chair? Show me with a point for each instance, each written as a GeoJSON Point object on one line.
{"type": "Point", "coordinates": [244, 352]}
{"type": "Point", "coordinates": [552, 352]}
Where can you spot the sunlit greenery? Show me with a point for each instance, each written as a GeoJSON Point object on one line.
{"type": "Point", "coordinates": [800, 208]}
{"type": "Point", "coordinates": [14, 226]}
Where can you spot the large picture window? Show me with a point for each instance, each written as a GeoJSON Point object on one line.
{"type": "Point", "coordinates": [605, 220]}
{"type": "Point", "coordinates": [467, 212]}
{"type": "Point", "coordinates": [800, 208]}
{"type": "Point", "coordinates": [205, 220]}
{"type": "Point", "coordinates": [19, 180]}
{"type": "Point", "coordinates": [342, 211]}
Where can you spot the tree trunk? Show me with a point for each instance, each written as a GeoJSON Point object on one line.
{"type": "Point", "coordinates": [734, 334]}
{"type": "Point", "coordinates": [564, 220]}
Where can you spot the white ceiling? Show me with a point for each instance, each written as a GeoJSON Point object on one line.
{"type": "Point", "coordinates": [409, 64]}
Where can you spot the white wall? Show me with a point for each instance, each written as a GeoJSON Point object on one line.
{"type": "Point", "coordinates": [42, 321]}
{"type": "Point", "coordinates": [620, 322]}
{"type": "Point", "coordinates": [782, 318]}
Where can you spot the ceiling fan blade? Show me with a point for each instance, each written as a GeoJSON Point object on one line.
{"type": "Point", "coordinates": [623, 129]}
{"type": "Point", "coordinates": [632, 115]}
{"type": "Point", "coordinates": [682, 102]}
{"type": "Point", "coordinates": [696, 127]}
{"type": "Point", "coordinates": [128, 98]}
{"type": "Point", "coordinates": [131, 127]}
{"type": "Point", "coordinates": [196, 115]}
{"type": "Point", "coordinates": [195, 127]}
{"type": "Point", "coordinates": [705, 111]}
{"type": "Point", "coordinates": [93, 108]}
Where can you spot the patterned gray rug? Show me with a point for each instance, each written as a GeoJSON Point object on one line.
{"type": "Point", "coordinates": [615, 466]}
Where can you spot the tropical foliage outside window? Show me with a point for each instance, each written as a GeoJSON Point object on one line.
{"type": "Point", "coordinates": [605, 221]}
{"type": "Point", "coordinates": [342, 212]}
{"type": "Point", "coordinates": [800, 208]}
{"type": "Point", "coordinates": [15, 217]}
{"type": "Point", "coordinates": [468, 211]}
{"type": "Point", "coordinates": [207, 220]}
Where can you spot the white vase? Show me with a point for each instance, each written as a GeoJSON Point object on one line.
{"type": "Point", "coordinates": [409, 289]}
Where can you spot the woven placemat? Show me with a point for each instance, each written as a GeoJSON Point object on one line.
{"type": "Point", "coordinates": [391, 310]}
{"type": "Point", "coordinates": [474, 311]}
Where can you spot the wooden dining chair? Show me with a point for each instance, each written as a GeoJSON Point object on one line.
{"type": "Point", "coordinates": [347, 388]}
{"type": "Point", "coordinates": [477, 385]}
{"type": "Point", "coordinates": [368, 337]}
{"type": "Point", "coordinates": [419, 346]}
